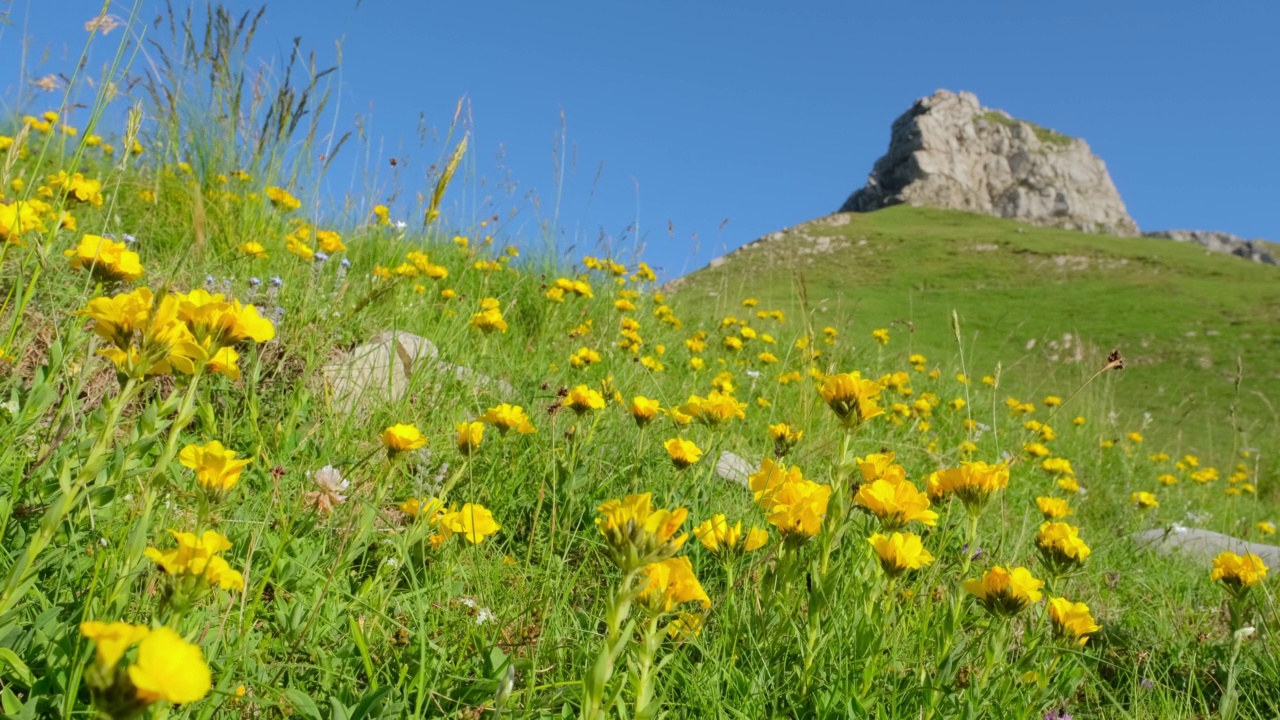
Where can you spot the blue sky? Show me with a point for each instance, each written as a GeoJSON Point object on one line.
{"type": "Point", "coordinates": [685, 114]}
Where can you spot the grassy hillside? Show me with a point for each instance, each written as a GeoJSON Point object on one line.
{"type": "Point", "coordinates": [1186, 321]}
{"type": "Point", "coordinates": [195, 524]}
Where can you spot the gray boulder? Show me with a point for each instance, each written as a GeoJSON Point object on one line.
{"type": "Point", "coordinates": [1256, 250]}
{"type": "Point", "coordinates": [389, 364]}
{"type": "Point", "coordinates": [948, 151]}
{"type": "Point", "coordinates": [734, 468]}
{"type": "Point", "coordinates": [1203, 544]}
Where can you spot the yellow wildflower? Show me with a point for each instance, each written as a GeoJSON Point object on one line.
{"type": "Point", "coordinates": [170, 669]}
{"type": "Point", "coordinates": [1004, 591]}
{"type": "Point", "coordinates": [402, 438]}
{"type": "Point", "coordinates": [683, 452]}
{"type": "Point", "coordinates": [217, 468]}
{"type": "Point", "coordinates": [105, 259]}
{"type": "Point", "coordinates": [900, 552]}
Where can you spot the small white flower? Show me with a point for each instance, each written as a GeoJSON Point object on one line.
{"type": "Point", "coordinates": [753, 373]}
{"type": "Point", "coordinates": [485, 616]}
{"type": "Point", "coordinates": [400, 224]}
{"type": "Point", "coordinates": [103, 542]}
{"type": "Point", "coordinates": [391, 563]}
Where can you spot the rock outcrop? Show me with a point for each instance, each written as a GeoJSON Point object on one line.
{"type": "Point", "coordinates": [1259, 251]}
{"type": "Point", "coordinates": [948, 151]}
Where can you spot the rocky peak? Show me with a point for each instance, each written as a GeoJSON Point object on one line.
{"type": "Point", "coordinates": [1257, 250]}
{"type": "Point", "coordinates": [948, 151]}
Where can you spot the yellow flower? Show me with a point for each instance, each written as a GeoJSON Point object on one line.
{"type": "Point", "coordinates": [582, 399]}
{"type": "Point", "coordinates": [750, 302]}
{"type": "Point", "coordinates": [470, 435]}
{"type": "Point", "coordinates": [880, 335]}
{"type": "Point", "coordinates": [798, 507]}
{"type": "Point", "coordinates": [771, 476]}
{"type": "Point", "coordinates": [402, 438]}
{"type": "Point", "coordinates": [1061, 547]}
{"type": "Point", "coordinates": [852, 398]}
{"type": "Point", "coordinates": [1205, 475]}
{"type": "Point", "coordinates": [643, 410]}
{"type": "Point", "coordinates": [198, 556]}
{"type": "Point", "coordinates": [1005, 591]}
{"type": "Point", "coordinates": [686, 627]}
{"type": "Point", "coordinates": [900, 552]}
{"type": "Point", "coordinates": [1266, 527]}
{"type": "Point", "coordinates": [683, 452]}
{"type": "Point", "coordinates": [1053, 508]}
{"type": "Point", "coordinates": [169, 669]}
{"type": "Point", "coordinates": [723, 539]}
{"type": "Point", "coordinates": [1144, 500]}
{"type": "Point", "coordinates": [490, 317]}
{"type": "Point", "coordinates": [784, 438]}
{"type": "Point", "coordinates": [254, 250]}
{"type": "Point", "coordinates": [1238, 572]}
{"type": "Point", "coordinates": [382, 214]}
{"type": "Point", "coordinates": [1052, 401]}
{"type": "Point", "coordinates": [1057, 466]}
{"type": "Point", "coordinates": [105, 259]}
{"type": "Point", "coordinates": [895, 503]}
{"type": "Point", "coordinates": [713, 410]}
{"type": "Point", "coordinates": [1135, 437]}
{"type": "Point", "coordinates": [974, 483]}
{"type": "Point", "coordinates": [147, 340]}
{"type": "Point", "coordinates": [506, 417]}
{"type": "Point", "coordinates": [732, 343]}
{"type": "Point", "coordinates": [216, 321]}
{"type": "Point", "coordinates": [473, 522]}
{"type": "Point", "coordinates": [1167, 479]}
{"type": "Point", "coordinates": [112, 640]}
{"type": "Point", "coordinates": [216, 467]}
{"type": "Point", "coordinates": [583, 357]}
{"type": "Point", "coordinates": [429, 509]}
{"type": "Point", "coordinates": [638, 534]}
{"type": "Point", "coordinates": [1069, 483]}
{"type": "Point", "coordinates": [330, 241]}
{"type": "Point", "coordinates": [670, 583]}
{"type": "Point", "coordinates": [78, 188]}
{"type": "Point", "coordinates": [1071, 620]}
{"type": "Point", "coordinates": [282, 199]}
{"type": "Point", "coordinates": [1036, 450]}
{"type": "Point", "coordinates": [1078, 421]}
{"type": "Point", "coordinates": [880, 466]}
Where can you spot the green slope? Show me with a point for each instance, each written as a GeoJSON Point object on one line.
{"type": "Point", "coordinates": [1181, 317]}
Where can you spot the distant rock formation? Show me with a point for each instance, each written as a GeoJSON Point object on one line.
{"type": "Point", "coordinates": [1256, 250]}
{"type": "Point", "coordinates": [948, 151]}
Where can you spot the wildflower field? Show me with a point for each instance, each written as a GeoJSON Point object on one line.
{"type": "Point", "coordinates": [599, 500]}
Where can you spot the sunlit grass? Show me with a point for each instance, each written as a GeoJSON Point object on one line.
{"type": "Point", "coordinates": [545, 532]}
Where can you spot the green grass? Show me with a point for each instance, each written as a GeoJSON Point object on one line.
{"type": "Point", "coordinates": [1043, 134]}
{"type": "Point", "coordinates": [1181, 317]}
{"type": "Point", "coordinates": [354, 611]}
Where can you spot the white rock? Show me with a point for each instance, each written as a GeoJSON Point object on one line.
{"type": "Point", "coordinates": [389, 364]}
{"type": "Point", "coordinates": [1204, 544]}
{"type": "Point", "coordinates": [734, 468]}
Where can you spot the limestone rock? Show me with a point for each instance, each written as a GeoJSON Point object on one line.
{"type": "Point", "coordinates": [949, 152]}
{"type": "Point", "coordinates": [1256, 250]}
{"type": "Point", "coordinates": [734, 468]}
{"type": "Point", "coordinates": [389, 364]}
{"type": "Point", "coordinates": [1203, 544]}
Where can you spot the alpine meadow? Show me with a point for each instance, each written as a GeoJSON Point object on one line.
{"type": "Point", "coordinates": [268, 452]}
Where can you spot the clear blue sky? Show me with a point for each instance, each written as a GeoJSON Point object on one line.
{"type": "Point", "coordinates": [770, 113]}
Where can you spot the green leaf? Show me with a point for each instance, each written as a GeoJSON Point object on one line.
{"type": "Point", "coordinates": [16, 669]}
{"type": "Point", "coordinates": [302, 703]}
